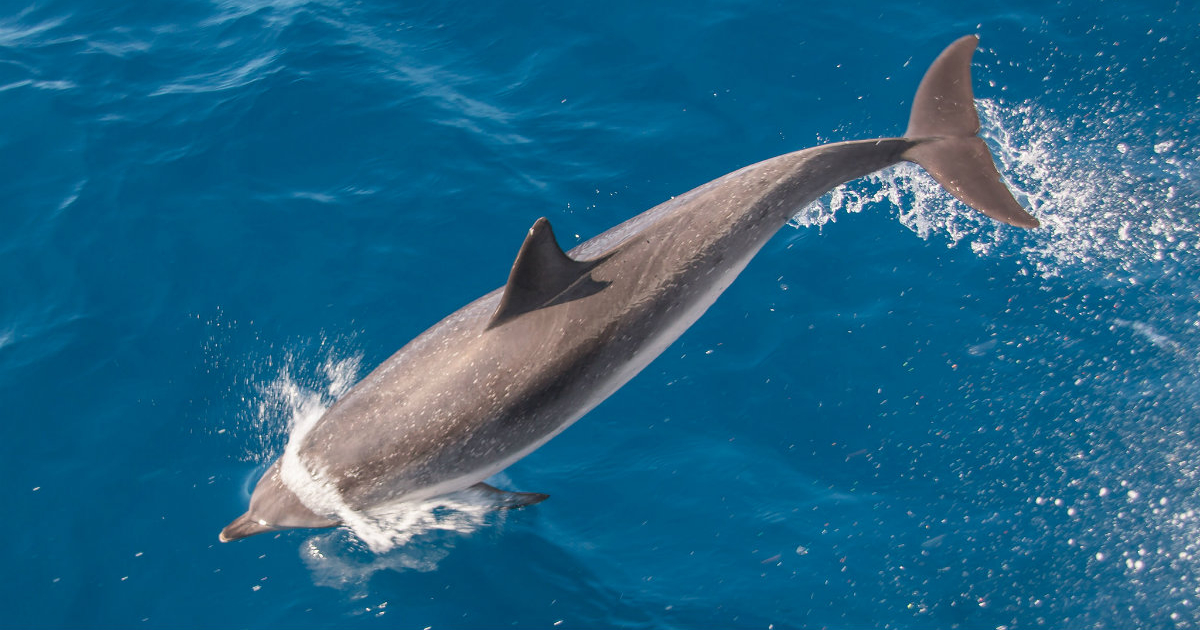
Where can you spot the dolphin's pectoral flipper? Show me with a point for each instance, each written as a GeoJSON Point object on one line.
{"type": "Point", "coordinates": [944, 124]}
{"type": "Point", "coordinates": [542, 275]}
{"type": "Point", "coordinates": [505, 500]}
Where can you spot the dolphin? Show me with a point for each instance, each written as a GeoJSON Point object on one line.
{"type": "Point", "coordinates": [500, 377]}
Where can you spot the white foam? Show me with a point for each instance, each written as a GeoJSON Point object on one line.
{"type": "Point", "coordinates": [1126, 214]}
{"type": "Point", "coordinates": [392, 537]}
{"type": "Point", "coordinates": [291, 405]}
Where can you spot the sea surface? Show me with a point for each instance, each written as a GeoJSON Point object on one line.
{"type": "Point", "coordinates": [217, 215]}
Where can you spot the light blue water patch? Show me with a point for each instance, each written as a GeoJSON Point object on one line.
{"type": "Point", "coordinates": [219, 213]}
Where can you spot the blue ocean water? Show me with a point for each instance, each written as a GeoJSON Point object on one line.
{"type": "Point", "coordinates": [219, 213]}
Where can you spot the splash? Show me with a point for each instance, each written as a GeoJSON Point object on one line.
{"type": "Point", "coordinates": [1119, 207]}
{"type": "Point", "coordinates": [401, 536]}
{"type": "Point", "coordinates": [1109, 356]}
{"type": "Point", "coordinates": [1110, 198]}
{"type": "Point", "coordinates": [294, 398]}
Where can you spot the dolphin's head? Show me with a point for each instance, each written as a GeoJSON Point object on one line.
{"type": "Point", "coordinates": [273, 507]}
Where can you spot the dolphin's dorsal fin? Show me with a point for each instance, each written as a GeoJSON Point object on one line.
{"type": "Point", "coordinates": [541, 273]}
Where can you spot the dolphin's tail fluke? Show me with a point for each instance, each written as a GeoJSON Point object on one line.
{"type": "Point", "coordinates": [944, 124]}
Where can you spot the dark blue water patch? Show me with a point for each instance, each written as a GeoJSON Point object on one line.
{"type": "Point", "coordinates": [871, 428]}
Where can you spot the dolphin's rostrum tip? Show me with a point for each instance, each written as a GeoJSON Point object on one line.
{"type": "Point", "coordinates": [242, 527]}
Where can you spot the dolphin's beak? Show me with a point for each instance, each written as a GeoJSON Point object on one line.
{"type": "Point", "coordinates": [242, 527]}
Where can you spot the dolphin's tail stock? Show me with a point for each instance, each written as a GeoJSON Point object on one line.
{"type": "Point", "coordinates": [943, 125]}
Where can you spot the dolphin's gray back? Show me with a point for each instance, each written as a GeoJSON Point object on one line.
{"type": "Point", "coordinates": [784, 184]}
{"type": "Point", "coordinates": [466, 397]}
